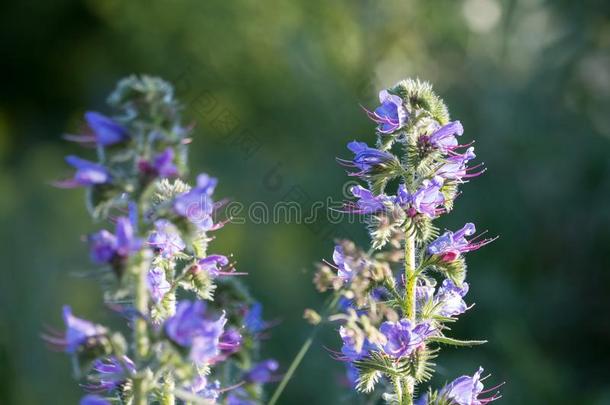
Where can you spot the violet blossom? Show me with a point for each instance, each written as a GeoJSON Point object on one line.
{"type": "Point", "coordinates": [366, 159]}
{"type": "Point", "coordinates": [162, 165]}
{"type": "Point", "coordinates": [403, 337]}
{"type": "Point", "coordinates": [166, 239]}
{"type": "Point", "coordinates": [262, 372]}
{"type": "Point", "coordinates": [450, 245]}
{"type": "Point", "coordinates": [465, 390]}
{"type": "Point", "coordinates": [87, 174]}
{"type": "Point", "coordinates": [368, 203]}
{"type": "Point", "coordinates": [427, 200]}
{"type": "Point", "coordinates": [78, 332]}
{"type": "Point", "coordinates": [449, 298]}
{"type": "Point", "coordinates": [110, 373]}
{"type": "Point", "coordinates": [93, 400]}
{"type": "Point", "coordinates": [391, 115]}
{"type": "Point", "coordinates": [191, 328]}
{"type": "Point", "coordinates": [157, 284]}
{"type": "Point", "coordinates": [196, 205]}
{"type": "Point", "coordinates": [455, 168]}
{"type": "Point", "coordinates": [107, 131]}
{"type": "Point", "coordinates": [444, 138]}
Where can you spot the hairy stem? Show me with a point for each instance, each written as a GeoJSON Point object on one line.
{"type": "Point", "coordinates": [167, 392]}
{"type": "Point", "coordinates": [410, 276]}
{"type": "Point", "coordinates": [408, 384]}
{"type": "Point", "coordinates": [140, 332]}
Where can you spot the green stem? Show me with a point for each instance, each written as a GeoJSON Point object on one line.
{"type": "Point", "coordinates": [140, 333]}
{"type": "Point", "coordinates": [408, 384]}
{"type": "Point", "coordinates": [167, 393]}
{"type": "Point", "coordinates": [302, 352]}
{"type": "Point", "coordinates": [410, 275]}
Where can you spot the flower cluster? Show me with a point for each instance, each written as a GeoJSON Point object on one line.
{"type": "Point", "coordinates": [394, 301]}
{"type": "Point", "coordinates": [196, 331]}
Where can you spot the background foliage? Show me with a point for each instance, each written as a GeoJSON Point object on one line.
{"type": "Point", "coordinates": [529, 79]}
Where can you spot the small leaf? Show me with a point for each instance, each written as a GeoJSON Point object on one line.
{"type": "Point", "coordinates": [455, 342]}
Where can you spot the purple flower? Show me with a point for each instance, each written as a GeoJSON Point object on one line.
{"type": "Point", "coordinates": [344, 269]}
{"type": "Point", "coordinates": [390, 115]}
{"type": "Point", "coordinates": [403, 337]}
{"type": "Point", "coordinates": [110, 373]}
{"type": "Point", "coordinates": [157, 284]}
{"type": "Point", "coordinates": [450, 244]}
{"type": "Point", "coordinates": [78, 332]}
{"type": "Point", "coordinates": [126, 241]}
{"type": "Point", "coordinates": [449, 298]}
{"type": "Point", "coordinates": [262, 372]}
{"type": "Point", "coordinates": [203, 389]}
{"type": "Point", "coordinates": [197, 204]}
{"type": "Point", "coordinates": [87, 173]}
{"type": "Point", "coordinates": [455, 168]}
{"type": "Point", "coordinates": [426, 200]}
{"type": "Point", "coordinates": [352, 349]}
{"type": "Point", "coordinates": [214, 264]}
{"type": "Point", "coordinates": [444, 138]}
{"type": "Point", "coordinates": [465, 390]}
{"type": "Point", "coordinates": [104, 246]}
{"type": "Point", "coordinates": [166, 239]}
{"type": "Point", "coordinates": [107, 131]}
{"type": "Point", "coordinates": [230, 341]}
{"type": "Point", "coordinates": [366, 159]}
{"type": "Point", "coordinates": [189, 327]}
{"type": "Point", "coordinates": [93, 400]}
{"type": "Point", "coordinates": [162, 165]}
{"type": "Point", "coordinates": [352, 375]}
{"type": "Point", "coordinates": [253, 321]}
{"type": "Point", "coordinates": [240, 396]}
{"type": "Point", "coordinates": [368, 203]}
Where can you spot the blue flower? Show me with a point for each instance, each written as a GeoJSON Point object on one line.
{"type": "Point", "coordinates": [110, 373]}
{"type": "Point", "coordinates": [425, 201]}
{"type": "Point", "coordinates": [105, 247]}
{"type": "Point", "coordinates": [450, 245]}
{"type": "Point", "coordinates": [449, 298]}
{"type": "Point", "coordinates": [403, 337]}
{"type": "Point", "coordinates": [87, 174]}
{"type": "Point", "coordinates": [162, 165]}
{"type": "Point", "coordinates": [368, 203]}
{"type": "Point", "coordinates": [203, 389]}
{"type": "Point", "coordinates": [190, 328]}
{"type": "Point", "coordinates": [93, 400]}
{"type": "Point", "coordinates": [443, 138]}
{"type": "Point", "coordinates": [157, 284]}
{"type": "Point", "coordinates": [455, 168]}
{"type": "Point", "coordinates": [196, 205]}
{"type": "Point", "coordinates": [166, 239]}
{"type": "Point", "coordinates": [391, 114]}
{"type": "Point", "coordinates": [262, 372]}
{"type": "Point", "coordinates": [366, 159]}
{"type": "Point", "coordinates": [253, 321]}
{"type": "Point", "coordinates": [465, 390]}
{"type": "Point", "coordinates": [214, 264]}
{"type": "Point", "coordinates": [78, 333]}
{"type": "Point", "coordinates": [107, 131]}
{"type": "Point", "coordinates": [353, 349]}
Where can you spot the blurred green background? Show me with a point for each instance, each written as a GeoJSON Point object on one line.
{"type": "Point", "coordinates": [274, 87]}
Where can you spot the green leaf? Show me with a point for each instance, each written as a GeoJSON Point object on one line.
{"type": "Point", "coordinates": [367, 380]}
{"type": "Point", "coordinates": [455, 342]}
